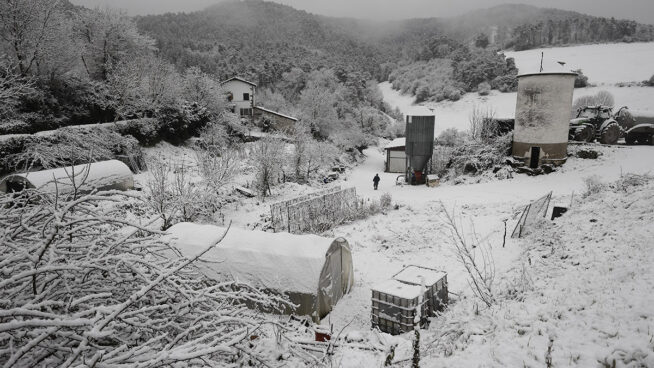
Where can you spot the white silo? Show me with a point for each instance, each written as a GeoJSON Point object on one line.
{"type": "Point", "coordinates": [542, 117]}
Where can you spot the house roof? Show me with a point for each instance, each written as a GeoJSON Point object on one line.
{"type": "Point", "coordinates": [275, 113]}
{"type": "Point", "coordinates": [239, 79]}
{"type": "Point", "coordinates": [396, 143]}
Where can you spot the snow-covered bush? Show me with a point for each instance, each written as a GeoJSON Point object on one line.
{"type": "Point", "coordinates": [629, 182]}
{"type": "Point", "coordinates": [484, 89]}
{"type": "Point", "coordinates": [604, 98]}
{"type": "Point", "coordinates": [581, 80]}
{"type": "Point", "coordinates": [68, 146]}
{"type": "Point", "coordinates": [593, 185]}
{"type": "Point", "coordinates": [386, 201]}
{"type": "Point", "coordinates": [84, 282]}
{"type": "Point", "coordinates": [450, 137]}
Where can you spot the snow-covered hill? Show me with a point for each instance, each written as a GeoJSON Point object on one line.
{"type": "Point", "coordinates": [602, 63]}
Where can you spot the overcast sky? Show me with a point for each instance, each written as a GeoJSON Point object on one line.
{"type": "Point", "coordinates": [641, 10]}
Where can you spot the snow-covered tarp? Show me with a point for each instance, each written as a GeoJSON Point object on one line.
{"type": "Point", "coordinates": [275, 261]}
{"type": "Point", "coordinates": [104, 175]}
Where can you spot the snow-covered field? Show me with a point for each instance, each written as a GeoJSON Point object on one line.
{"type": "Point", "coordinates": [603, 64]}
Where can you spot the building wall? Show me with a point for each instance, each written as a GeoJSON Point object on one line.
{"type": "Point", "coordinates": [238, 88]}
{"type": "Point", "coordinates": [277, 122]}
{"type": "Point", "coordinates": [543, 115]}
{"type": "Point", "coordinates": [396, 160]}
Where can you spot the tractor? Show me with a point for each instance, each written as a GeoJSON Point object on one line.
{"type": "Point", "coordinates": [599, 122]}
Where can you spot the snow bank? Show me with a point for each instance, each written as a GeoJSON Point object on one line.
{"type": "Point", "coordinates": [276, 261]}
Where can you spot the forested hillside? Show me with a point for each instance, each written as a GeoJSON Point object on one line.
{"type": "Point", "coordinates": [260, 40]}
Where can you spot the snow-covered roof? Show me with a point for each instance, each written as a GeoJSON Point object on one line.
{"type": "Point", "coordinates": [276, 261]}
{"type": "Point", "coordinates": [396, 143]}
{"type": "Point", "coordinates": [398, 289]}
{"type": "Point", "coordinates": [98, 175]}
{"type": "Point", "coordinates": [413, 274]}
{"type": "Point", "coordinates": [239, 79]}
{"type": "Point", "coordinates": [275, 113]}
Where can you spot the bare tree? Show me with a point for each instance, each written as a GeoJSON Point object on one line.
{"type": "Point", "coordinates": [475, 256]}
{"type": "Point", "coordinates": [159, 196]}
{"type": "Point", "coordinates": [482, 123]}
{"type": "Point", "coordinates": [12, 87]}
{"type": "Point", "coordinates": [27, 26]}
{"type": "Point", "coordinates": [108, 36]}
{"type": "Point", "coordinates": [218, 168]}
{"type": "Point", "coordinates": [267, 158]}
{"type": "Point", "coordinates": [84, 283]}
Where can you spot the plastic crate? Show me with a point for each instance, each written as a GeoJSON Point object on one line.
{"type": "Point", "coordinates": [394, 306]}
{"type": "Point", "coordinates": [435, 283]}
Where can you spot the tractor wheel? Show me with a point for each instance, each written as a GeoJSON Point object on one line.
{"type": "Point", "coordinates": [610, 134]}
{"type": "Point", "coordinates": [630, 139]}
{"type": "Point", "coordinates": [585, 134]}
{"type": "Point", "coordinates": [647, 139]}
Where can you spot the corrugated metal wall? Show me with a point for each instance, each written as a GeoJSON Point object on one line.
{"type": "Point", "coordinates": [419, 140]}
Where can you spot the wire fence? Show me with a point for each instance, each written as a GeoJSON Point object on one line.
{"type": "Point", "coordinates": [531, 214]}
{"type": "Point", "coordinates": [315, 212]}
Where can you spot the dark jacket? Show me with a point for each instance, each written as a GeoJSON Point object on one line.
{"type": "Point", "coordinates": [376, 179]}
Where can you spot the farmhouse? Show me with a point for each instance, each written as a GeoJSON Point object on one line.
{"type": "Point", "coordinates": [396, 156]}
{"type": "Point", "coordinates": [241, 94]}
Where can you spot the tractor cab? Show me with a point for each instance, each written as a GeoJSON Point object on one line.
{"type": "Point", "coordinates": [595, 112]}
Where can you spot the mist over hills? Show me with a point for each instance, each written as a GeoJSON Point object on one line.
{"type": "Point", "coordinates": [264, 39]}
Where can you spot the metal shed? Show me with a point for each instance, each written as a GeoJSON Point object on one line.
{"type": "Point", "coordinates": [313, 271]}
{"type": "Point", "coordinates": [105, 175]}
{"type": "Point", "coordinates": [396, 156]}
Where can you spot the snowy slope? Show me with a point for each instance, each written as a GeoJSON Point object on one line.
{"type": "Point", "coordinates": [605, 65]}
{"type": "Point", "coordinates": [602, 63]}
{"type": "Point", "coordinates": [456, 114]}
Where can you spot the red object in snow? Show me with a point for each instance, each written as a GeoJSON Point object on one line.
{"type": "Point", "coordinates": [323, 334]}
{"type": "Point", "coordinates": [418, 177]}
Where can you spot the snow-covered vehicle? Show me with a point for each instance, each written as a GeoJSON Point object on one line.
{"type": "Point", "coordinates": [600, 123]}
{"type": "Point", "coordinates": [595, 122]}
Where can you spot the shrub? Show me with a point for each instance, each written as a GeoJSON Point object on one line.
{"type": "Point", "coordinates": [450, 137]}
{"type": "Point", "coordinates": [146, 130]}
{"type": "Point", "coordinates": [601, 98]}
{"type": "Point", "coordinates": [484, 89]}
{"type": "Point", "coordinates": [581, 80]}
{"type": "Point", "coordinates": [593, 186]}
{"type": "Point", "coordinates": [385, 201]}
{"type": "Point", "coordinates": [650, 82]}
{"type": "Point", "coordinates": [69, 146]}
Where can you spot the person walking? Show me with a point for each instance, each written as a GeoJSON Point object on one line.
{"type": "Point", "coordinates": [376, 180]}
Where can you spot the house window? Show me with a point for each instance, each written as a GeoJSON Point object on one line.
{"type": "Point", "coordinates": [246, 97]}
{"type": "Point", "coordinates": [246, 112]}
